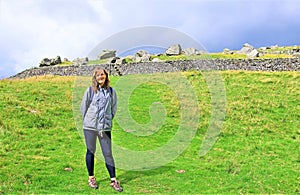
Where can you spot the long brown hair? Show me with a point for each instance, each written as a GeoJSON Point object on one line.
{"type": "Point", "coordinates": [95, 84]}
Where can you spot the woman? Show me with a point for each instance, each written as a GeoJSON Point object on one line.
{"type": "Point", "coordinates": [98, 108]}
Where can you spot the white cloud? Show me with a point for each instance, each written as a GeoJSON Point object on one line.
{"type": "Point", "coordinates": [34, 29]}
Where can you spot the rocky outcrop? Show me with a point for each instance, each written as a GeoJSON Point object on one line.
{"type": "Point", "coordinates": [191, 51]}
{"type": "Point", "coordinates": [106, 53]}
{"type": "Point", "coordinates": [249, 50]}
{"type": "Point", "coordinates": [281, 64]}
{"type": "Point", "coordinates": [174, 50]}
{"type": "Point", "coordinates": [80, 61]}
{"type": "Point", "coordinates": [142, 56]}
{"type": "Point", "coordinates": [50, 61]}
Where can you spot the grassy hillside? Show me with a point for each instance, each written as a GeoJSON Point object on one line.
{"type": "Point", "coordinates": [42, 152]}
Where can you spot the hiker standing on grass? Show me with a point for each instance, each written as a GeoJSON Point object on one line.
{"type": "Point", "coordinates": [98, 108]}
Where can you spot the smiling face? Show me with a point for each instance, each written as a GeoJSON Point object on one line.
{"type": "Point", "coordinates": [101, 77]}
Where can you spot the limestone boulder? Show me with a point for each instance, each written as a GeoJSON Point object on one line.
{"type": "Point", "coordinates": [105, 54]}
{"type": "Point", "coordinates": [174, 50]}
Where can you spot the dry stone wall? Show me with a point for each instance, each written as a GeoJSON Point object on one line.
{"type": "Point", "coordinates": [291, 64]}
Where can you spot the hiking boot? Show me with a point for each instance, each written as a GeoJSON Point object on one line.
{"type": "Point", "coordinates": [93, 183]}
{"type": "Point", "coordinates": [116, 186]}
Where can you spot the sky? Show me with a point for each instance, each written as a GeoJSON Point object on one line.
{"type": "Point", "coordinates": [31, 30]}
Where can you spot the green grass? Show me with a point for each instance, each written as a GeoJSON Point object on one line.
{"type": "Point", "coordinates": [67, 63]}
{"type": "Point", "coordinates": [202, 56]}
{"type": "Point", "coordinates": [281, 48]}
{"type": "Point", "coordinates": [274, 56]}
{"type": "Point", "coordinates": [103, 61]}
{"type": "Point", "coordinates": [257, 150]}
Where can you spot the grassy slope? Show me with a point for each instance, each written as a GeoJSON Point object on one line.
{"type": "Point", "coordinates": [257, 151]}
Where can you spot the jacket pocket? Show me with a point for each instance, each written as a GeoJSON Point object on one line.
{"type": "Point", "coordinates": [108, 122]}
{"type": "Point", "coordinates": [90, 121]}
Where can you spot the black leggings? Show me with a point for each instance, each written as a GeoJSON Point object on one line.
{"type": "Point", "coordinates": [105, 143]}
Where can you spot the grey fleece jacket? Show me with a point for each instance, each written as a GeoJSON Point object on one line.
{"type": "Point", "coordinates": [98, 111]}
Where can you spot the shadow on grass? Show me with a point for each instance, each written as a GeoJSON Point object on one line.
{"type": "Point", "coordinates": [129, 176]}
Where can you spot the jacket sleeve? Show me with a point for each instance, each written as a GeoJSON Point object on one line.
{"type": "Point", "coordinates": [85, 103]}
{"type": "Point", "coordinates": [114, 103]}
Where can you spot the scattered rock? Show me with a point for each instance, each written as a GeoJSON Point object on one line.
{"type": "Point", "coordinates": [68, 169]}
{"type": "Point", "coordinates": [130, 131]}
{"type": "Point", "coordinates": [191, 51]}
{"type": "Point", "coordinates": [246, 49]}
{"type": "Point", "coordinates": [142, 56]}
{"type": "Point", "coordinates": [50, 62]}
{"type": "Point", "coordinates": [180, 171]}
{"type": "Point", "coordinates": [174, 50]}
{"type": "Point", "coordinates": [156, 60]}
{"type": "Point", "coordinates": [106, 53]}
{"type": "Point", "coordinates": [121, 61]}
{"type": "Point", "coordinates": [296, 55]}
{"type": "Point", "coordinates": [33, 111]}
{"type": "Point", "coordinates": [253, 54]}
{"type": "Point", "coordinates": [81, 61]}
{"type": "Point", "coordinates": [226, 51]}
